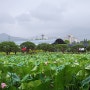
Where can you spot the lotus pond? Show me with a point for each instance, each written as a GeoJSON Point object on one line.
{"type": "Point", "coordinates": [45, 71]}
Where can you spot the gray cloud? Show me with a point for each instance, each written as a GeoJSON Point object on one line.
{"type": "Point", "coordinates": [27, 18]}
{"type": "Point", "coordinates": [47, 12]}
{"type": "Point", "coordinates": [6, 18]}
{"type": "Point", "coordinates": [24, 18]}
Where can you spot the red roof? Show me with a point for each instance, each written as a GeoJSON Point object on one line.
{"type": "Point", "coordinates": [24, 49]}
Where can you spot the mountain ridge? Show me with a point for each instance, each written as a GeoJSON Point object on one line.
{"type": "Point", "coordinates": [6, 37]}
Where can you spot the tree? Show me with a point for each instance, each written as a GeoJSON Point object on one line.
{"type": "Point", "coordinates": [59, 41]}
{"type": "Point", "coordinates": [28, 45]}
{"type": "Point", "coordinates": [61, 47]}
{"type": "Point", "coordinates": [45, 47]}
{"type": "Point", "coordinates": [88, 48]}
{"type": "Point", "coordinates": [15, 49]}
{"type": "Point", "coordinates": [8, 46]}
{"type": "Point", "coordinates": [88, 42]}
{"type": "Point", "coordinates": [78, 48]}
{"type": "Point", "coordinates": [67, 41]}
{"type": "Point", "coordinates": [85, 43]}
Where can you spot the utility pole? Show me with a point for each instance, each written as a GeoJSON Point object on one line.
{"type": "Point", "coordinates": [8, 38]}
{"type": "Point", "coordinates": [42, 36]}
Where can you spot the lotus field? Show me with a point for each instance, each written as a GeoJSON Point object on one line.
{"type": "Point", "coordinates": [45, 71]}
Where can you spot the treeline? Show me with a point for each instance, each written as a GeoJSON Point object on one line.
{"type": "Point", "coordinates": [58, 46]}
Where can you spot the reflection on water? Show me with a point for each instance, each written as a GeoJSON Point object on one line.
{"type": "Point", "coordinates": [50, 41]}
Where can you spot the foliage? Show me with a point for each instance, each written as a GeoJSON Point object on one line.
{"type": "Point", "coordinates": [75, 48]}
{"type": "Point", "coordinates": [45, 47]}
{"type": "Point", "coordinates": [67, 41]}
{"type": "Point", "coordinates": [88, 48]}
{"type": "Point", "coordinates": [85, 42]}
{"type": "Point", "coordinates": [45, 71]}
{"type": "Point", "coordinates": [60, 47]}
{"type": "Point", "coordinates": [28, 45]}
{"type": "Point", "coordinates": [59, 41]}
{"type": "Point", "coordinates": [8, 46]}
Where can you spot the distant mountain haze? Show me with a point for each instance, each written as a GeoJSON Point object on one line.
{"type": "Point", "coordinates": [6, 37]}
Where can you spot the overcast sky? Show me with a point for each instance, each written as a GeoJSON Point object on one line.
{"type": "Point", "coordinates": [27, 18]}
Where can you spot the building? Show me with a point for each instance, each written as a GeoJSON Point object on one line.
{"type": "Point", "coordinates": [71, 39]}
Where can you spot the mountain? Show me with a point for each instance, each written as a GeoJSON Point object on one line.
{"type": "Point", "coordinates": [6, 37]}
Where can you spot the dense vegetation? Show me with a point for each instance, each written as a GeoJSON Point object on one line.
{"type": "Point", "coordinates": [45, 71]}
{"type": "Point", "coordinates": [56, 66]}
{"type": "Point", "coordinates": [8, 46]}
{"type": "Point", "coordinates": [58, 46]}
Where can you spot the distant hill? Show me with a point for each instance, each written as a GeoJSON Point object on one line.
{"type": "Point", "coordinates": [6, 37]}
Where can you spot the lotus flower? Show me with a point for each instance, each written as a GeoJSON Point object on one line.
{"type": "Point", "coordinates": [3, 85]}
